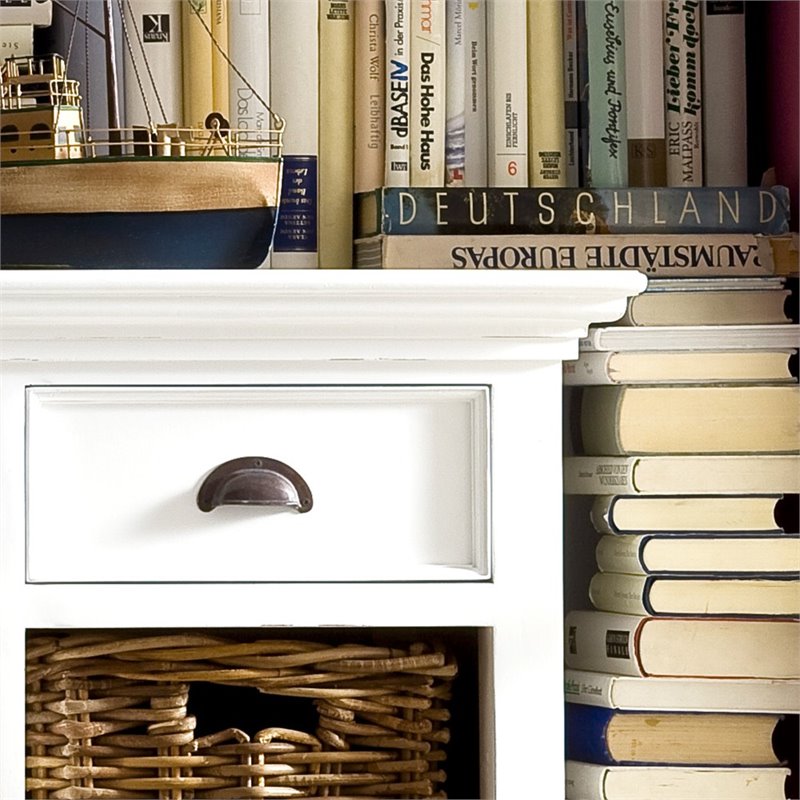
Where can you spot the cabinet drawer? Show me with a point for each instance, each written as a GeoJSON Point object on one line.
{"type": "Point", "coordinates": [399, 477]}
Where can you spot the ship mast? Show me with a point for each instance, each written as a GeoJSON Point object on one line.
{"type": "Point", "coordinates": [112, 85]}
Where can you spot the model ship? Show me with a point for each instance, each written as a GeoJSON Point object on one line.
{"type": "Point", "coordinates": [154, 197]}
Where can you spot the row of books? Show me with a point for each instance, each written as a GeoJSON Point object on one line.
{"type": "Point", "coordinates": [683, 669]}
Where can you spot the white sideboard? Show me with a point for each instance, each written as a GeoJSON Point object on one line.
{"type": "Point", "coordinates": [423, 409]}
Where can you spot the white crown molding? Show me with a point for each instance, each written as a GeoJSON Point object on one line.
{"type": "Point", "coordinates": [314, 313]}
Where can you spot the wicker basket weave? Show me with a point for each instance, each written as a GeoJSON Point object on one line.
{"type": "Point", "coordinates": [107, 718]}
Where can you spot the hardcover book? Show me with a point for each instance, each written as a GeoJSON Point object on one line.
{"type": "Point", "coordinates": [724, 80]}
{"type": "Point", "coordinates": [427, 80]}
{"type": "Point", "coordinates": [198, 62]}
{"type": "Point", "coordinates": [716, 595]}
{"type": "Point", "coordinates": [370, 95]}
{"type": "Point", "coordinates": [157, 24]}
{"type": "Point", "coordinates": [397, 169]}
{"type": "Point", "coordinates": [546, 131]}
{"type": "Point", "coordinates": [703, 552]}
{"type": "Point", "coordinates": [572, 152]}
{"type": "Point", "coordinates": [294, 66]}
{"type": "Point", "coordinates": [689, 337]}
{"type": "Point", "coordinates": [683, 92]}
{"type": "Point", "coordinates": [680, 366]}
{"type": "Point", "coordinates": [682, 694]}
{"type": "Point", "coordinates": [710, 301]}
{"type": "Point", "coordinates": [585, 781]}
{"type": "Point", "coordinates": [631, 644]}
{"type": "Point", "coordinates": [752, 418]}
{"type": "Point", "coordinates": [770, 513]}
{"type": "Point", "coordinates": [456, 86]}
{"type": "Point", "coordinates": [609, 736]}
{"type": "Point", "coordinates": [525, 210]}
{"type": "Point", "coordinates": [475, 112]}
{"type": "Point", "coordinates": [644, 94]}
{"type": "Point", "coordinates": [507, 92]}
{"type": "Point", "coordinates": [682, 475]}
{"type": "Point", "coordinates": [608, 126]}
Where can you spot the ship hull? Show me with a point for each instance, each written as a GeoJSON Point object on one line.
{"type": "Point", "coordinates": [138, 214]}
{"type": "Point", "coordinates": [219, 239]}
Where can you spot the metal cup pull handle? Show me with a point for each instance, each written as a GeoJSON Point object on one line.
{"type": "Point", "coordinates": [257, 481]}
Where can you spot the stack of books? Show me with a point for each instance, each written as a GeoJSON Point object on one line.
{"type": "Point", "coordinates": [683, 675]}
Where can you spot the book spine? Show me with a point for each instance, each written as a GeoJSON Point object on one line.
{"type": "Point", "coordinates": [428, 96]}
{"type": "Point", "coordinates": [507, 92]}
{"type": "Point", "coordinates": [644, 87]}
{"type": "Point", "coordinates": [152, 79]}
{"type": "Point", "coordinates": [455, 93]}
{"type": "Point", "coordinates": [336, 43]}
{"type": "Point", "coordinates": [571, 94]}
{"type": "Point", "coordinates": [724, 80]}
{"type": "Point", "coordinates": [219, 66]}
{"type": "Point", "coordinates": [582, 58]}
{"type": "Point", "coordinates": [667, 256]}
{"type": "Point", "coordinates": [602, 475]}
{"type": "Point", "coordinates": [589, 369]}
{"type": "Point", "coordinates": [597, 641]}
{"type": "Point", "coordinates": [608, 145]}
{"type": "Point", "coordinates": [397, 170]}
{"type": "Point", "coordinates": [589, 688]}
{"type": "Point", "coordinates": [683, 114]}
{"type": "Point", "coordinates": [475, 119]}
{"type": "Point", "coordinates": [370, 95]}
{"type": "Point", "coordinates": [294, 59]}
{"type": "Point", "coordinates": [623, 594]}
{"type": "Point", "coordinates": [198, 74]}
{"type": "Point", "coordinates": [617, 553]}
{"type": "Point", "coordinates": [586, 781]}
{"type": "Point", "coordinates": [546, 129]}
{"type": "Point", "coordinates": [703, 210]}
{"type": "Point", "coordinates": [249, 49]}
{"type": "Point", "coordinates": [586, 728]}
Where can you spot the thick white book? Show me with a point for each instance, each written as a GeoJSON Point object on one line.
{"type": "Point", "coordinates": [475, 120]}
{"type": "Point", "coordinates": [249, 50]}
{"type": "Point", "coordinates": [724, 72]}
{"type": "Point", "coordinates": [507, 92]}
{"type": "Point", "coordinates": [153, 79]}
{"type": "Point", "coordinates": [644, 87]}
{"type": "Point", "coordinates": [586, 781]}
{"type": "Point", "coordinates": [690, 337]}
{"type": "Point", "coordinates": [294, 61]}
{"type": "Point", "coordinates": [629, 692]}
{"type": "Point", "coordinates": [428, 95]}
{"type": "Point", "coordinates": [397, 171]}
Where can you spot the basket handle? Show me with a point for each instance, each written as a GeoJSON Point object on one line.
{"type": "Point", "coordinates": [254, 480]}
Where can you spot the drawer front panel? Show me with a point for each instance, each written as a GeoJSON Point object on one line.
{"type": "Point", "coordinates": [399, 477]}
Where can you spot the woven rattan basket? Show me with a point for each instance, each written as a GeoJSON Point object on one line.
{"type": "Point", "coordinates": [107, 718]}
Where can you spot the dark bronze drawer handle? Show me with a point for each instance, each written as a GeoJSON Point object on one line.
{"type": "Point", "coordinates": [254, 481]}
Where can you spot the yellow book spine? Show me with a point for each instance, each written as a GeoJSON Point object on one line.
{"type": "Point", "coordinates": [546, 128]}
{"type": "Point", "coordinates": [219, 66]}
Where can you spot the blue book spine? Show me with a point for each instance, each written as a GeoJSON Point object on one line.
{"type": "Point", "coordinates": [585, 733]}
{"type": "Point", "coordinates": [469, 211]}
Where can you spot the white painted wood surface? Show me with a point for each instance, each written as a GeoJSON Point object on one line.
{"type": "Point", "coordinates": [91, 335]}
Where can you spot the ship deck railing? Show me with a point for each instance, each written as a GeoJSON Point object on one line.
{"type": "Point", "coordinates": [162, 141]}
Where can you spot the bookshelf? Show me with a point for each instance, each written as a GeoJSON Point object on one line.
{"type": "Point", "coordinates": [104, 343]}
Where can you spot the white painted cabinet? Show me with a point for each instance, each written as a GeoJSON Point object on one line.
{"type": "Point", "coordinates": [422, 411]}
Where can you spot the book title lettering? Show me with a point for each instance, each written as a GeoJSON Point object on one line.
{"type": "Point", "coordinates": [612, 91]}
